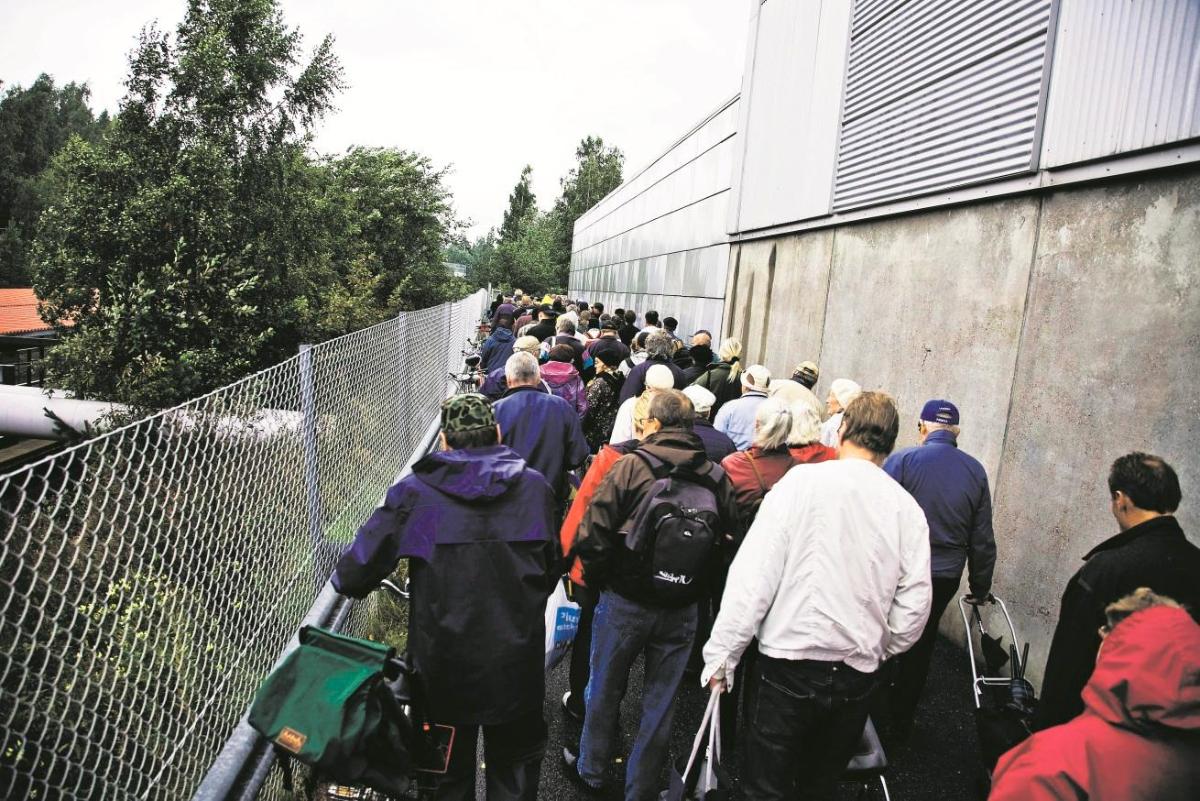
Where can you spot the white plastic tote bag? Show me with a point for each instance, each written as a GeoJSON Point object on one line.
{"type": "Point", "coordinates": [562, 621]}
{"type": "Point", "coordinates": [703, 780]}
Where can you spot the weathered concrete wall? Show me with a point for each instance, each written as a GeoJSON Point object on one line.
{"type": "Point", "coordinates": [1108, 364]}
{"type": "Point", "coordinates": [1066, 326]}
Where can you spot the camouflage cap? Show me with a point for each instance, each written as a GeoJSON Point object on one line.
{"type": "Point", "coordinates": [467, 412]}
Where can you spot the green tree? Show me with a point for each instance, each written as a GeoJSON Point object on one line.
{"type": "Point", "coordinates": [396, 213]}
{"type": "Point", "coordinates": [521, 204]}
{"type": "Point", "coordinates": [481, 258]}
{"type": "Point", "coordinates": [34, 125]}
{"type": "Point", "coordinates": [189, 245]}
{"type": "Point", "coordinates": [597, 172]}
{"type": "Point", "coordinates": [530, 261]}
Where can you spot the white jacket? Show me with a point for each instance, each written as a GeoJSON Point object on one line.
{"type": "Point", "coordinates": [835, 568]}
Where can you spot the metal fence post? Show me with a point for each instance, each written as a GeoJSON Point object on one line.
{"type": "Point", "coordinates": [312, 475]}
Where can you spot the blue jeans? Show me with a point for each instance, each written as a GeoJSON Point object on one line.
{"type": "Point", "coordinates": [621, 630]}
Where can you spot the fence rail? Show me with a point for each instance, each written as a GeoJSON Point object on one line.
{"type": "Point", "coordinates": [149, 578]}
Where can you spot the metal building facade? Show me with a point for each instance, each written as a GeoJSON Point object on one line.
{"type": "Point", "coordinates": [1126, 77]}
{"type": "Point", "coordinates": [939, 94]}
{"type": "Point", "coordinates": [791, 97]}
{"type": "Point", "coordinates": [659, 240]}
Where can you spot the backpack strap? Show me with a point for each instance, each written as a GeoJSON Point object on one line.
{"type": "Point", "coordinates": [657, 466]}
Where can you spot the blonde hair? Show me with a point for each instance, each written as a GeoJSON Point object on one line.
{"type": "Point", "coordinates": [772, 424]}
{"type": "Point", "coordinates": [641, 408]}
{"type": "Point", "coordinates": [731, 349]}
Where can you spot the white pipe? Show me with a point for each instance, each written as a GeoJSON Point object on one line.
{"type": "Point", "coordinates": [23, 414]}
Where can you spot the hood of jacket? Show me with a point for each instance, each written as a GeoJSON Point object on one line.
{"type": "Point", "coordinates": [503, 335]}
{"type": "Point", "coordinates": [558, 374]}
{"type": "Point", "coordinates": [472, 474]}
{"type": "Point", "coordinates": [677, 446]}
{"type": "Point", "coordinates": [1147, 675]}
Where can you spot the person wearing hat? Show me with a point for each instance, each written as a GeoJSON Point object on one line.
{"type": "Point", "coordinates": [806, 374]}
{"type": "Point", "coordinates": [658, 376]}
{"type": "Point", "coordinates": [481, 560]}
{"type": "Point", "coordinates": [841, 392]}
{"type": "Point", "coordinates": [545, 327]}
{"type": "Point", "coordinates": [716, 444]}
{"type": "Point", "coordinates": [951, 487]}
{"type": "Point", "coordinates": [736, 418]}
{"type": "Point", "coordinates": [603, 391]}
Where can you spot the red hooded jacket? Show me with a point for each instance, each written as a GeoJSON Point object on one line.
{"type": "Point", "coordinates": [1139, 734]}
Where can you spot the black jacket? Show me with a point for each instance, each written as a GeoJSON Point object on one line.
{"type": "Point", "coordinates": [635, 382]}
{"type": "Point", "coordinates": [1154, 554]}
{"type": "Point", "coordinates": [607, 563]}
{"type": "Point", "coordinates": [478, 527]}
{"type": "Point", "coordinates": [542, 331]}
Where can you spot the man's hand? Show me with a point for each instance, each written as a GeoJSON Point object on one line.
{"type": "Point", "coordinates": [975, 600]}
{"type": "Point", "coordinates": [717, 683]}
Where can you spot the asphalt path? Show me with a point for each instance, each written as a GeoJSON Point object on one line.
{"type": "Point", "coordinates": [940, 761]}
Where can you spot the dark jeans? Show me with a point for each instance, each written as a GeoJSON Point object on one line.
{"type": "Point", "coordinates": [513, 755]}
{"type": "Point", "coordinates": [803, 720]}
{"type": "Point", "coordinates": [912, 667]}
{"type": "Point", "coordinates": [622, 629]}
{"type": "Point", "coordinates": [581, 650]}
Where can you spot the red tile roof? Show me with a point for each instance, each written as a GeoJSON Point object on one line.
{"type": "Point", "coordinates": [19, 314]}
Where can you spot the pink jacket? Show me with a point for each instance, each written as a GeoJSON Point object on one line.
{"type": "Point", "coordinates": [564, 381]}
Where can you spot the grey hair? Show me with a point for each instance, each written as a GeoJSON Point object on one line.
{"type": "Point", "coordinates": [806, 424]}
{"type": "Point", "coordinates": [772, 424]}
{"type": "Point", "coordinates": [565, 324]}
{"type": "Point", "coordinates": [521, 370]}
{"type": "Point", "coordinates": [930, 425]}
{"type": "Point", "coordinates": [659, 345]}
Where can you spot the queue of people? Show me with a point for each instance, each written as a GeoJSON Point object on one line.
{"type": "Point", "coordinates": [721, 524]}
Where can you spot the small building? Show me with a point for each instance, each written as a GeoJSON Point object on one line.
{"type": "Point", "coordinates": [24, 337]}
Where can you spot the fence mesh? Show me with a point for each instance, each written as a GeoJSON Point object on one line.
{"type": "Point", "coordinates": [150, 577]}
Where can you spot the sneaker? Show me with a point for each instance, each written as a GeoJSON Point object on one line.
{"type": "Point", "coordinates": [571, 770]}
{"type": "Point", "coordinates": [569, 709]}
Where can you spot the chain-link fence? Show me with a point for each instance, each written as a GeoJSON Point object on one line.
{"type": "Point", "coordinates": [150, 577]}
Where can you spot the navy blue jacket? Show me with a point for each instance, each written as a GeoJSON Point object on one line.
{"type": "Point", "coordinates": [717, 444]}
{"type": "Point", "coordinates": [545, 430]}
{"type": "Point", "coordinates": [478, 529]}
{"type": "Point", "coordinates": [952, 489]}
{"type": "Point", "coordinates": [496, 350]}
{"type": "Point", "coordinates": [635, 382]}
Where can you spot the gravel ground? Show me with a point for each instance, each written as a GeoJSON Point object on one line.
{"type": "Point", "coordinates": [940, 762]}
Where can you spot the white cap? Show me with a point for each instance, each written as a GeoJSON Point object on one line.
{"type": "Point", "coordinates": [756, 377]}
{"type": "Point", "coordinates": [845, 391]}
{"type": "Point", "coordinates": [702, 400]}
{"type": "Point", "coordinates": [660, 377]}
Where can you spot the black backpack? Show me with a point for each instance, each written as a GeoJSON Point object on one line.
{"type": "Point", "coordinates": [675, 532]}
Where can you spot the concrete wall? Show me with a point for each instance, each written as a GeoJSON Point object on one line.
{"type": "Point", "coordinates": [1065, 325]}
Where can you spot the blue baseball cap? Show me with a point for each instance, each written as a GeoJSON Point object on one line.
{"type": "Point", "coordinates": [940, 411]}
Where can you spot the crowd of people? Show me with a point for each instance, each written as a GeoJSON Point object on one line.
{"type": "Point", "coordinates": [730, 529]}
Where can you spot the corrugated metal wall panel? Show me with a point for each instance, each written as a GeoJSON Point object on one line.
{"type": "Point", "coordinates": [939, 94]}
{"type": "Point", "coordinates": [1126, 76]}
{"type": "Point", "coordinates": [792, 111]}
{"type": "Point", "coordinates": [658, 240]}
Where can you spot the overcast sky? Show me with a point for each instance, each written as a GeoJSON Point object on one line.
{"type": "Point", "coordinates": [484, 85]}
